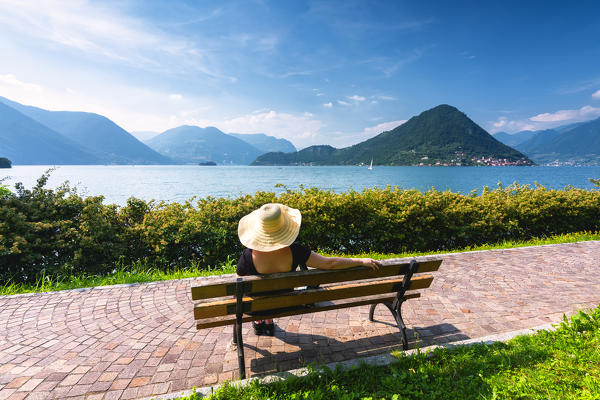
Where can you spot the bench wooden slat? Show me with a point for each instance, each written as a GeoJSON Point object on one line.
{"type": "Point", "coordinates": [287, 280]}
{"type": "Point", "coordinates": [291, 299]}
{"type": "Point", "coordinates": [318, 307]}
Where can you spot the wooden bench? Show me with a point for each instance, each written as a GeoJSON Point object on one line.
{"type": "Point", "coordinates": [233, 300]}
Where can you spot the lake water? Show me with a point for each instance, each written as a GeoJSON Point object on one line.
{"type": "Point", "coordinates": [180, 182]}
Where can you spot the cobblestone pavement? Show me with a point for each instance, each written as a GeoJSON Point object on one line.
{"type": "Point", "coordinates": [136, 341]}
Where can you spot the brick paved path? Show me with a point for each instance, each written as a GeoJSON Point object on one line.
{"type": "Point", "coordinates": [137, 341]}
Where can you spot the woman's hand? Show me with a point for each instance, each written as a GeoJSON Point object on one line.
{"type": "Point", "coordinates": [369, 262]}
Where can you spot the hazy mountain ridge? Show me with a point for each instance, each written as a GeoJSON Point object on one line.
{"type": "Point", "coordinates": [441, 135]}
{"type": "Point", "coordinates": [192, 144]}
{"type": "Point", "coordinates": [96, 134]}
{"type": "Point", "coordinates": [574, 143]}
{"type": "Point", "coordinates": [266, 143]}
{"type": "Point", "coordinates": [514, 139]}
{"type": "Point", "coordinates": [18, 132]}
{"type": "Point", "coordinates": [94, 139]}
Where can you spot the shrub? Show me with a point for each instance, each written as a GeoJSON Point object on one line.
{"type": "Point", "coordinates": [58, 232]}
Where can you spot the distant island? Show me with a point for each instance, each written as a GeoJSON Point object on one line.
{"type": "Point", "coordinates": [207, 163]}
{"type": "Point", "coordinates": [5, 163]}
{"type": "Point", "coordinates": [441, 136]}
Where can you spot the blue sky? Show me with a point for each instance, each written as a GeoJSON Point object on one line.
{"type": "Point", "coordinates": [313, 72]}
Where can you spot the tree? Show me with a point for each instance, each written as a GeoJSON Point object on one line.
{"type": "Point", "coordinates": [5, 162]}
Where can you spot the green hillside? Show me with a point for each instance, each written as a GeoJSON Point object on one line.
{"type": "Point", "coordinates": [440, 136]}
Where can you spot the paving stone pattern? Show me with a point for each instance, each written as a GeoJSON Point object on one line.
{"type": "Point", "coordinates": [136, 341]}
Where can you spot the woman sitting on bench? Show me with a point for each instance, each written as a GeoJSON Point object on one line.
{"type": "Point", "coordinates": [268, 235]}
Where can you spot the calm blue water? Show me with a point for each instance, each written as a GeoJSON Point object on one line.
{"type": "Point", "coordinates": [181, 182]}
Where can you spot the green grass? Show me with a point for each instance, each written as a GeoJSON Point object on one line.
{"type": "Point", "coordinates": [136, 273]}
{"type": "Point", "coordinates": [563, 364]}
{"type": "Point", "coordinates": [140, 272]}
{"type": "Point", "coordinates": [507, 244]}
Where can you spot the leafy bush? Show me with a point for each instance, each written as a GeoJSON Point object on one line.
{"type": "Point", "coordinates": [59, 233]}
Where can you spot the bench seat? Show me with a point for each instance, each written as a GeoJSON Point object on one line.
{"type": "Point", "coordinates": [233, 300]}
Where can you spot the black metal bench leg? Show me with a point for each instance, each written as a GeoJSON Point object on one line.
{"type": "Point", "coordinates": [372, 311]}
{"type": "Point", "coordinates": [240, 349]}
{"type": "Point", "coordinates": [396, 310]}
{"type": "Point", "coordinates": [398, 316]}
{"type": "Point", "coordinates": [239, 293]}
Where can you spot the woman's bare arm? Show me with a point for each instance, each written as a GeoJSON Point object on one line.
{"type": "Point", "coordinates": [321, 262]}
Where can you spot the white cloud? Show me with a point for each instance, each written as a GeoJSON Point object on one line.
{"type": "Point", "coordinates": [328, 105]}
{"type": "Point", "coordinates": [97, 31]}
{"type": "Point", "coordinates": [175, 96]}
{"type": "Point", "coordinates": [344, 139]}
{"type": "Point", "coordinates": [388, 98]}
{"type": "Point", "coordinates": [356, 98]}
{"type": "Point", "coordinates": [390, 69]}
{"type": "Point", "coordinates": [383, 127]}
{"type": "Point", "coordinates": [12, 82]}
{"type": "Point", "coordinates": [511, 126]}
{"type": "Point", "coordinates": [295, 73]}
{"type": "Point", "coordinates": [582, 114]}
{"type": "Point", "coordinates": [544, 120]}
{"type": "Point", "coordinates": [596, 94]}
{"type": "Point", "coordinates": [344, 103]}
{"type": "Point", "coordinates": [139, 108]}
{"type": "Point", "coordinates": [302, 130]}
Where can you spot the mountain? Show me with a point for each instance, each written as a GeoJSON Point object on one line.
{"type": "Point", "coordinates": [98, 135]}
{"type": "Point", "coordinates": [26, 141]}
{"type": "Point", "coordinates": [514, 139]}
{"type": "Point", "coordinates": [576, 143]}
{"type": "Point", "coordinates": [538, 141]}
{"type": "Point", "coordinates": [5, 163]}
{"type": "Point", "coordinates": [265, 143]}
{"type": "Point", "coordinates": [440, 136]}
{"type": "Point", "coordinates": [144, 136]}
{"type": "Point", "coordinates": [192, 144]}
{"type": "Point", "coordinates": [518, 140]}
{"type": "Point", "coordinates": [564, 128]}
{"type": "Point", "coordinates": [314, 155]}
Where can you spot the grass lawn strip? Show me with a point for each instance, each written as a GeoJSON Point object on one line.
{"type": "Point", "coordinates": [557, 362]}
{"type": "Point", "coordinates": [140, 273]}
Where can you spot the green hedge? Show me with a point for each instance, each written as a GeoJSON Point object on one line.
{"type": "Point", "coordinates": [59, 233]}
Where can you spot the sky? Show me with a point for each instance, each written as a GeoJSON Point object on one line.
{"type": "Point", "coordinates": [312, 72]}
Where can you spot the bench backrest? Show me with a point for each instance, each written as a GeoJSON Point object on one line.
{"type": "Point", "coordinates": [218, 300]}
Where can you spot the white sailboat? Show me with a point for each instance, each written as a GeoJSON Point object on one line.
{"type": "Point", "coordinates": [371, 165]}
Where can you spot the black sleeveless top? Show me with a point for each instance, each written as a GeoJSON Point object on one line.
{"type": "Point", "coordinates": [300, 254]}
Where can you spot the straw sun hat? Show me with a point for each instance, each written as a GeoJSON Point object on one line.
{"type": "Point", "coordinates": [271, 227]}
